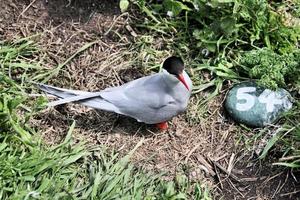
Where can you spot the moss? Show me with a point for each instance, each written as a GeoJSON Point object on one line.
{"type": "Point", "coordinates": [272, 69]}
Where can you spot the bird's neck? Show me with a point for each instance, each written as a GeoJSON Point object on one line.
{"type": "Point", "coordinates": [170, 80]}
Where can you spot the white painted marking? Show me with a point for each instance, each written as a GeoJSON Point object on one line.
{"type": "Point", "coordinates": [242, 94]}
{"type": "Point", "coordinates": [268, 97]}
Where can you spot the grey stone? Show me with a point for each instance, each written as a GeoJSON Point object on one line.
{"type": "Point", "coordinates": [255, 106]}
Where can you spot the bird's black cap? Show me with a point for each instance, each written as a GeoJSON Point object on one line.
{"type": "Point", "coordinates": [174, 65]}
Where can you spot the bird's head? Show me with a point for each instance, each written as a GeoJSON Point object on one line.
{"type": "Point", "coordinates": [175, 66]}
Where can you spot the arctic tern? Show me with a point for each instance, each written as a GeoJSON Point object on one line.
{"type": "Point", "coordinates": [153, 99]}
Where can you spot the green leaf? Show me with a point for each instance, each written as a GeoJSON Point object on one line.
{"type": "Point", "coordinates": [74, 158]}
{"type": "Point", "coordinates": [28, 178]}
{"type": "Point", "coordinates": [124, 5]}
{"type": "Point", "coordinates": [68, 137]}
{"type": "Point", "coordinates": [291, 165]}
{"type": "Point", "coordinates": [44, 185]}
{"type": "Point", "coordinates": [269, 145]}
{"type": "Point", "coordinates": [96, 185]}
{"type": "Point", "coordinates": [26, 137]}
{"type": "Point", "coordinates": [175, 7]}
{"type": "Point", "coordinates": [3, 146]}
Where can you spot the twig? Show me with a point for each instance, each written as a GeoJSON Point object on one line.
{"type": "Point", "coordinates": [236, 188]}
{"type": "Point", "coordinates": [287, 194]}
{"type": "Point", "coordinates": [218, 176]}
{"type": "Point", "coordinates": [252, 179]}
{"type": "Point", "coordinates": [288, 158]}
{"type": "Point", "coordinates": [230, 164]}
{"type": "Point", "coordinates": [205, 164]}
{"type": "Point", "coordinates": [191, 152]}
{"type": "Point", "coordinates": [225, 171]}
{"type": "Point", "coordinates": [26, 9]}
{"type": "Point", "coordinates": [131, 31]}
{"type": "Point", "coordinates": [285, 181]}
{"type": "Point", "coordinates": [221, 157]}
{"type": "Point", "coordinates": [114, 22]}
{"type": "Point", "coordinates": [294, 177]}
{"type": "Point", "coordinates": [277, 189]}
{"type": "Point", "coordinates": [271, 178]}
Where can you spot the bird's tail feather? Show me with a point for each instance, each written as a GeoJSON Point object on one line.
{"type": "Point", "coordinates": [90, 99]}
{"type": "Point", "coordinates": [60, 92]}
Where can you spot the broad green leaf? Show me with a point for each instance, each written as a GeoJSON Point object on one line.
{"type": "Point", "coordinates": [174, 7]}
{"type": "Point", "coordinates": [124, 5]}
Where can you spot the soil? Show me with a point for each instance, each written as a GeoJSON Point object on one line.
{"type": "Point", "coordinates": [200, 146]}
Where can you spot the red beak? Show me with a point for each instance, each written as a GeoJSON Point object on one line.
{"type": "Point", "coordinates": [181, 78]}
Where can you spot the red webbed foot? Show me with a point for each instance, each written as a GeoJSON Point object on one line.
{"type": "Point", "coordinates": [162, 126]}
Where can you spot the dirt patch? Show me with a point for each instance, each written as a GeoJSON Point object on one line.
{"type": "Point", "coordinates": [260, 180]}
{"type": "Point", "coordinates": [80, 11]}
{"type": "Point", "coordinates": [197, 144]}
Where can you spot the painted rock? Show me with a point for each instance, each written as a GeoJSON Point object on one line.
{"type": "Point", "coordinates": [256, 106]}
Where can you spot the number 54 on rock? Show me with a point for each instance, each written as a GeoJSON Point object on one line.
{"type": "Point", "coordinates": [256, 106]}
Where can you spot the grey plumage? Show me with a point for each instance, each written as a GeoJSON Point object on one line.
{"type": "Point", "coordinates": [151, 99]}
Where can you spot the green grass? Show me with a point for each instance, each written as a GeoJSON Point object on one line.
{"type": "Point", "coordinates": [212, 36]}
{"type": "Point", "coordinates": [29, 169]}
{"type": "Point", "coordinates": [287, 139]}
{"type": "Point", "coordinates": [232, 41]}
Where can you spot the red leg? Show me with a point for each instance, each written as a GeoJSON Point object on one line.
{"type": "Point", "coordinates": [162, 125]}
